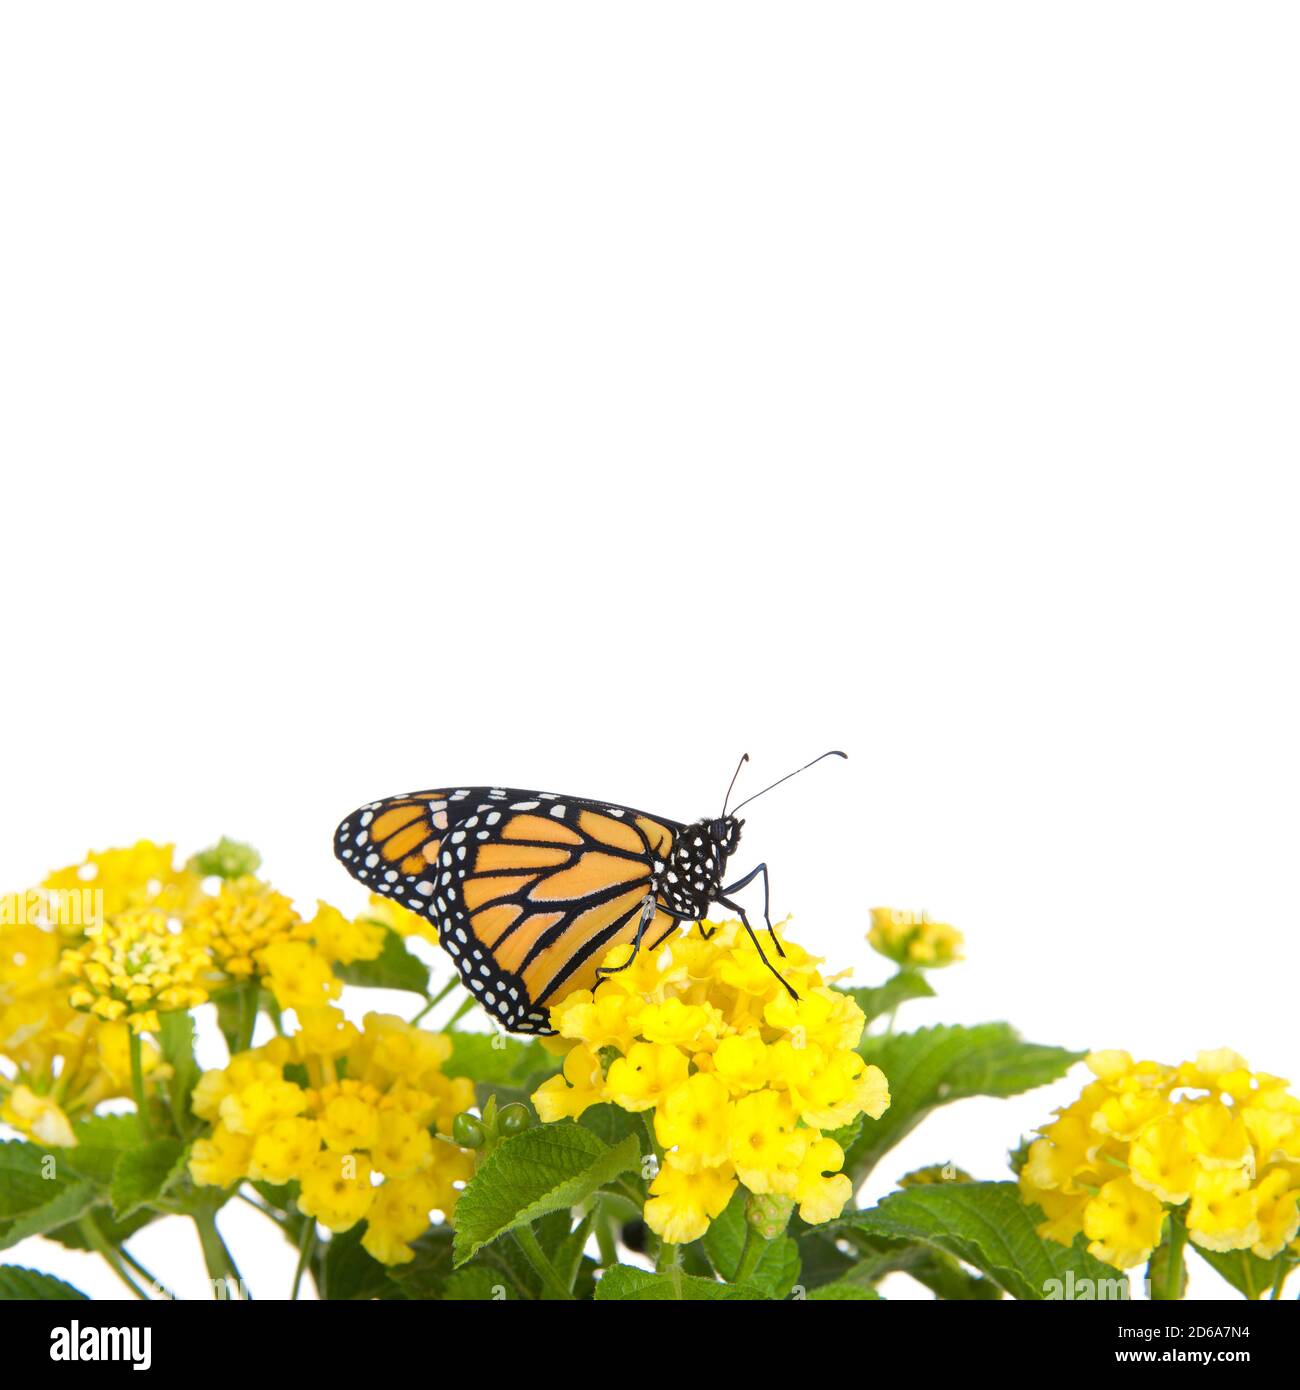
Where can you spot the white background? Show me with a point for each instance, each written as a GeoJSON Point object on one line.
{"type": "Point", "coordinates": [579, 395]}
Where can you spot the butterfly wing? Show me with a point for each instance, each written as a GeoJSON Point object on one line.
{"type": "Point", "coordinates": [528, 890]}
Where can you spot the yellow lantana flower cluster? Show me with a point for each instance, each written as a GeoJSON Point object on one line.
{"type": "Point", "coordinates": [1210, 1136]}
{"type": "Point", "coordinates": [135, 963]}
{"type": "Point", "coordinates": [911, 938]}
{"type": "Point", "coordinates": [742, 1080]}
{"type": "Point", "coordinates": [57, 1063]}
{"type": "Point", "coordinates": [346, 1114]}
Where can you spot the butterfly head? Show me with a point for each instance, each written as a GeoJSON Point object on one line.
{"type": "Point", "coordinates": [725, 834]}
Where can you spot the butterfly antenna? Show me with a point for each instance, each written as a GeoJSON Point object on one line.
{"type": "Point", "coordinates": [744, 758]}
{"type": "Point", "coordinates": [834, 753]}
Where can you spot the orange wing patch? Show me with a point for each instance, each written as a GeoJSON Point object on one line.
{"type": "Point", "coordinates": [488, 888]}
{"type": "Point", "coordinates": [525, 827]}
{"type": "Point", "coordinates": [494, 858]}
{"type": "Point", "coordinates": [618, 834]}
{"type": "Point", "coordinates": [593, 872]}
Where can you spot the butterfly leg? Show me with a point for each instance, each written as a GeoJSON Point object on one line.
{"type": "Point", "coordinates": [758, 945]}
{"type": "Point", "coordinates": [648, 909]}
{"type": "Point", "coordinates": [767, 910]}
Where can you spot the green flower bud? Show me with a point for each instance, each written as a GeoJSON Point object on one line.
{"type": "Point", "coordinates": [467, 1130]}
{"type": "Point", "coordinates": [514, 1119]}
{"type": "Point", "coordinates": [226, 859]}
{"type": "Point", "coordinates": [768, 1213]}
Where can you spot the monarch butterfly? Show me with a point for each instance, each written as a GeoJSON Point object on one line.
{"type": "Point", "coordinates": [529, 889]}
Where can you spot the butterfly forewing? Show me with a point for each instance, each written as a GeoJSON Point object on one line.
{"type": "Point", "coordinates": [528, 890]}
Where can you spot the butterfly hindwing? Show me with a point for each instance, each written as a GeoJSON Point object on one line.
{"type": "Point", "coordinates": [528, 890]}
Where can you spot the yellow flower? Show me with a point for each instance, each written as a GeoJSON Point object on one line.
{"type": "Point", "coordinates": [578, 1087]}
{"type": "Point", "coordinates": [298, 976]}
{"type": "Point", "coordinates": [820, 1188]}
{"type": "Point", "coordinates": [911, 938]}
{"type": "Point", "coordinates": [281, 1152]}
{"type": "Point", "coordinates": [241, 921]}
{"type": "Point", "coordinates": [134, 965]}
{"type": "Point", "coordinates": [1277, 1209]}
{"type": "Point", "coordinates": [398, 1215]}
{"type": "Point", "coordinates": [220, 1160]}
{"type": "Point", "coordinates": [682, 1204]}
{"type": "Point", "coordinates": [336, 1189]}
{"type": "Point", "coordinates": [606, 1019]}
{"type": "Point", "coordinates": [648, 1072]}
{"type": "Point", "coordinates": [1161, 1161]}
{"type": "Point", "coordinates": [741, 1079]}
{"type": "Point", "coordinates": [143, 876]}
{"type": "Point", "coordinates": [1192, 1136]}
{"type": "Point", "coordinates": [692, 1118]}
{"type": "Point", "coordinates": [338, 1137]}
{"type": "Point", "coordinates": [1123, 1223]}
{"type": "Point", "coordinates": [764, 1144]}
{"type": "Point", "coordinates": [38, 1116]}
{"type": "Point", "coordinates": [1223, 1213]}
{"type": "Point", "coordinates": [337, 939]}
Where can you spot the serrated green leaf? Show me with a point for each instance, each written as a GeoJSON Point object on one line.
{"type": "Point", "coordinates": [29, 1177]}
{"type": "Point", "coordinates": [1245, 1271]}
{"type": "Point", "coordinates": [19, 1283]}
{"type": "Point", "coordinates": [144, 1174]}
{"type": "Point", "coordinates": [625, 1283]}
{"type": "Point", "coordinates": [986, 1225]}
{"type": "Point", "coordinates": [101, 1141]}
{"type": "Point", "coordinates": [777, 1270]}
{"type": "Point", "coordinates": [70, 1202]}
{"type": "Point", "coordinates": [544, 1169]}
{"type": "Point", "coordinates": [935, 1066]}
{"type": "Point", "coordinates": [495, 1059]}
{"type": "Point", "coordinates": [843, 1293]}
{"type": "Point", "coordinates": [394, 968]}
{"type": "Point", "coordinates": [877, 1000]}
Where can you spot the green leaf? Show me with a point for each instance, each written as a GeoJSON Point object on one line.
{"type": "Point", "coordinates": [496, 1059]}
{"type": "Point", "coordinates": [20, 1283]}
{"type": "Point", "coordinates": [394, 968]}
{"type": "Point", "coordinates": [986, 1225]}
{"type": "Point", "coordinates": [542, 1170]}
{"type": "Point", "coordinates": [29, 1177]}
{"type": "Point", "coordinates": [843, 1293]}
{"type": "Point", "coordinates": [777, 1270]}
{"type": "Point", "coordinates": [143, 1175]}
{"type": "Point", "coordinates": [475, 1284]}
{"type": "Point", "coordinates": [101, 1141]}
{"type": "Point", "coordinates": [176, 1033]}
{"type": "Point", "coordinates": [626, 1282]}
{"type": "Point", "coordinates": [876, 1000]}
{"type": "Point", "coordinates": [350, 1272]}
{"type": "Point", "coordinates": [114, 1232]}
{"type": "Point", "coordinates": [68, 1202]}
{"type": "Point", "coordinates": [1245, 1271]}
{"type": "Point", "coordinates": [935, 1066]}
{"type": "Point", "coordinates": [425, 1275]}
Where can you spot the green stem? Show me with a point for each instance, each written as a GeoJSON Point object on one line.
{"type": "Point", "coordinates": [305, 1248]}
{"type": "Point", "coordinates": [137, 1084]}
{"type": "Point", "coordinates": [216, 1256]}
{"type": "Point", "coordinates": [551, 1281]}
{"type": "Point", "coordinates": [146, 1275]}
{"type": "Point", "coordinates": [1168, 1272]}
{"type": "Point", "coordinates": [437, 999]}
{"type": "Point", "coordinates": [95, 1238]}
{"type": "Point", "coordinates": [248, 997]}
{"type": "Point", "coordinates": [669, 1262]}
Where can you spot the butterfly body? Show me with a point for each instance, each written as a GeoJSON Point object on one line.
{"type": "Point", "coordinates": [529, 890]}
